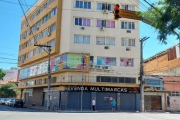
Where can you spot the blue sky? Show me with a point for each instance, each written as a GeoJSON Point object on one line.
{"type": "Point", "coordinates": [10, 22]}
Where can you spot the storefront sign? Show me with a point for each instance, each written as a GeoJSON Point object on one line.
{"type": "Point", "coordinates": [103, 89]}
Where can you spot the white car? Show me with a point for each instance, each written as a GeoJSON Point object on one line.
{"type": "Point", "coordinates": [7, 102]}
{"type": "Point", "coordinates": [2, 101]}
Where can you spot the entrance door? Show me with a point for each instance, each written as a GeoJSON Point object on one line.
{"type": "Point", "coordinates": [156, 102]}
{"type": "Point", "coordinates": [128, 102]}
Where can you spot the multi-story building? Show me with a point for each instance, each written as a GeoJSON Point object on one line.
{"type": "Point", "coordinates": [167, 64]}
{"type": "Point", "coordinates": [74, 29]}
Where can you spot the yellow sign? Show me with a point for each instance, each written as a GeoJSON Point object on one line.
{"type": "Point", "coordinates": [62, 88]}
{"type": "Point", "coordinates": [129, 14]}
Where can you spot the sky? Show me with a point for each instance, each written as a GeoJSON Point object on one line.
{"type": "Point", "coordinates": [10, 23]}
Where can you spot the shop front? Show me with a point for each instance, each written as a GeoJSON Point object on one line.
{"type": "Point", "coordinates": [127, 99]}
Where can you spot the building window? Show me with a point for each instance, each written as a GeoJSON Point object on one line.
{"type": "Point", "coordinates": [106, 61]}
{"type": "Point", "coordinates": [53, 12]}
{"type": "Point", "coordinates": [39, 23]}
{"type": "Point", "coordinates": [51, 43]}
{"type": "Point", "coordinates": [127, 62]}
{"type": "Point", "coordinates": [25, 56]}
{"type": "Point", "coordinates": [105, 41]}
{"type": "Point", "coordinates": [127, 42]}
{"type": "Point", "coordinates": [38, 37]}
{"type": "Point", "coordinates": [82, 21]}
{"type": "Point", "coordinates": [23, 36]}
{"type": "Point", "coordinates": [33, 16]}
{"type": "Point", "coordinates": [45, 33]}
{"type": "Point", "coordinates": [52, 28]}
{"type": "Point", "coordinates": [81, 39]}
{"type": "Point", "coordinates": [127, 25]}
{"type": "Point", "coordinates": [33, 28]}
{"type": "Point", "coordinates": [106, 23]}
{"type": "Point", "coordinates": [105, 6]}
{"type": "Point", "coordinates": [31, 41]}
{"type": "Point", "coordinates": [83, 4]}
{"type": "Point", "coordinates": [128, 7]}
{"type": "Point", "coordinates": [28, 32]}
{"type": "Point", "coordinates": [39, 11]}
{"type": "Point", "coordinates": [45, 19]}
{"type": "Point", "coordinates": [30, 54]}
{"type": "Point", "coordinates": [36, 51]}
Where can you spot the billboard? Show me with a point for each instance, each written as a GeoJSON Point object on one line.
{"type": "Point", "coordinates": [106, 61]}
{"type": "Point", "coordinates": [127, 62]}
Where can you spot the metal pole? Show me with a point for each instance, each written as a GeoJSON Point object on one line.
{"type": "Point", "coordinates": [49, 79]}
{"type": "Point", "coordinates": [82, 82]}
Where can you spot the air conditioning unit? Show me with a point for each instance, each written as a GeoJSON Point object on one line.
{"type": "Point", "coordinates": [128, 48]}
{"type": "Point", "coordinates": [92, 66]}
{"type": "Point", "coordinates": [105, 11]}
{"type": "Point", "coordinates": [37, 28]}
{"type": "Point", "coordinates": [128, 31]}
{"type": "Point", "coordinates": [107, 67]}
{"type": "Point", "coordinates": [99, 67]}
{"type": "Point", "coordinates": [106, 47]}
{"type": "Point", "coordinates": [48, 34]}
{"type": "Point", "coordinates": [82, 28]}
{"type": "Point", "coordinates": [101, 28]}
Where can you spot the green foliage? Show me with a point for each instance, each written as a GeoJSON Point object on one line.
{"type": "Point", "coordinates": [165, 18]}
{"type": "Point", "coordinates": [2, 74]}
{"type": "Point", "coordinates": [7, 91]}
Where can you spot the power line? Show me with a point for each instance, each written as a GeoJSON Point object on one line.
{"type": "Point", "coordinates": [8, 62]}
{"type": "Point", "coordinates": [7, 58]}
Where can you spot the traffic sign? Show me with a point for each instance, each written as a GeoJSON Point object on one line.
{"type": "Point", "coordinates": [129, 14]}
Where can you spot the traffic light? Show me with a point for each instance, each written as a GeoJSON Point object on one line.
{"type": "Point", "coordinates": [116, 12]}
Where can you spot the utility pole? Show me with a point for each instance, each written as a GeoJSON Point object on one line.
{"type": "Point", "coordinates": [83, 60]}
{"type": "Point", "coordinates": [142, 73]}
{"type": "Point", "coordinates": [49, 72]}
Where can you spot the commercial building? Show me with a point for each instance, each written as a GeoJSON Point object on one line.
{"type": "Point", "coordinates": [74, 29]}
{"type": "Point", "coordinates": [167, 64]}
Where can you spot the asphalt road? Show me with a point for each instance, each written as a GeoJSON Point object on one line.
{"type": "Point", "coordinates": [8, 113]}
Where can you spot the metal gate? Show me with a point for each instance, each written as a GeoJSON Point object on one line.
{"type": "Point", "coordinates": [74, 101]}
{"type": "Point", "coordinates": [104, 99]}
{"type": "Point", "coordinates": [128, 102]}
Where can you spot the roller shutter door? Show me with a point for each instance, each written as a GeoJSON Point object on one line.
{"type": "Point", "coordinates": [103, 100]}
{"type": "Point", "coordinates": [128, 102]}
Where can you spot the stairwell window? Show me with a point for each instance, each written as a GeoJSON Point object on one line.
{"type": "Point", "coordinates": [82, 21]}
{"type": "Point", "coordinates": [127, 25]}
{"type": "Point", "coordinates": [127, 42]}
{"type": "Point", "coordinates": [81, 39]}
{"type": "Point", "coordinates": [83, 4]}
{"type": "Point", "coordinates": [105, 6]}
{"type": "Point", "coordinates": [106, 23]}
{"type": "Point", "coordinates": [105, 41]}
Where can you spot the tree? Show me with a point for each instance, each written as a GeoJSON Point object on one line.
{"type": "Point", "coordinates": [7, 91]}
{"type": "Point", "coordinates": [165, 15]}
{"type": "Point", "coordinates": [2, 74]}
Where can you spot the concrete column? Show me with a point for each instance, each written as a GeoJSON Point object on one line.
{"type": "Point", "coordinates": [163, 101]}
{"type": "Point", "coordinates": [118, 102]}
{"type": "Point", "coordinates": [138, 102]}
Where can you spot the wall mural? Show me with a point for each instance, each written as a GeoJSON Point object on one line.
{"type": "Point", "coordinates": [63, 62]}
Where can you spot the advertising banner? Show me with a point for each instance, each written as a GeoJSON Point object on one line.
{"type": "Point", "coordinates": [127, 62]}
{"type": "Point", "coordinates": [106, 61]}
{"type": "Point", "coordinates": [52, 65]}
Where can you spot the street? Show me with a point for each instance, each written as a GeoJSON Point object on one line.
{"type": "Point", "coordinates": [8, 113]}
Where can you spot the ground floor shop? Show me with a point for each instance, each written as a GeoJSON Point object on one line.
{"type": "Point", "coordinates": [71, 98]}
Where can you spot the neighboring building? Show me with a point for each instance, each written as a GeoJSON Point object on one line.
{"type": "Point", "coordinates": [167, 64]}
{"type": "Point", "coordinates": [11, 76]}
{"type": "Point", "coordinates": [76, 28]}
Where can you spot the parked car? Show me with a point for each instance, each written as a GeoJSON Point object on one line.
{"type": "Point", "coordinates": [2, 101]}
{"type": "Point", "coordinates": [16, 103]}
{"type": "Point", "coordinates": [7, 102]}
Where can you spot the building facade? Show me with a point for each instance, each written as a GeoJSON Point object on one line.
{"type": "Point", "coordinates": [77, 29]}
{"type": "Point", "coordinates": [167, 64]}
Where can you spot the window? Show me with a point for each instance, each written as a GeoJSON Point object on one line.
{"type": "Point", "coordinates": [53, 12]}
{"type": "Point", "coordinates": [30, 54]}
{"type": "Point", "coordinates": [25, 56]}
{"type": "Point", "coordinates": [82, 21]}
{"type": "Point", "coordinates": [26, 44]}
{"type": "Point", "coordinates": [33, 16]}
{"type": "Point", "coordinates": [47, 4]}
{"type": "Point", "coordinates": [52, 28]}
{"type": "Point", "coordinates": [38, 37]}
{"type": "Point", "coordinates": [39, 11]}
{"type": "Point", "coordinates": [128, 7]}
{"type": "Point", "coordinates": [105, 6]}
{"type": "Point", "coordinates": [31, 41]}
{"type": "Point", "coordinates": [105, 41]}
{"type": "Point", "coordinates": [45, 33]}
{"type": "Point", "coordinates": [106, 61]}
{"type": "Point", "coordinates": [106, 23]}
{"type": "Point", "coordinates": [83, 4]}
{"type": "Point", "coordinates": [45, 18]}
{"type": "Point", "coordinates": [51, 43]}
{"type": "Point", "coordinates": [127, 25]}
{"type": "Point", "coordinates": [81, 39]}
{"type": "Point", "coordinates": [39, 23]}
{"type": "Point", "coordinates": [36, 51]}
{"type": "Point", "coordinates": [127, 42]}
{"type": "Point", "coordinates": [20, 59]}
{"type": "Point", "coordinates": [28, 32]}
{"type": "Point", "coordinates": [43, 49]}
{"type": "Point", "coordinates": [23, 36]}
{"type": "Point", "coordinates": [33, 28]}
